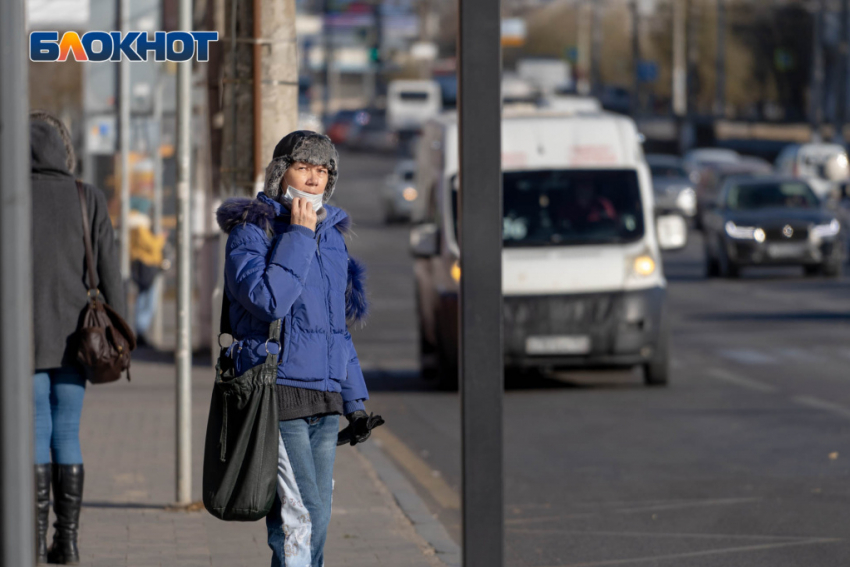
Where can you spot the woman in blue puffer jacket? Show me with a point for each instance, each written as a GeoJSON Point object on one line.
{"type": "Point", "coordinates": [286, 259]}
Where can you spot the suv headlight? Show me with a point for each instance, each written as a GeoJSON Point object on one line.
{"type": "Point", "coordinates": [641, 265]}
{"type": "Point", "coordinates": [832, 228]}
{"type": "Point", "coordinates": [744, 232]}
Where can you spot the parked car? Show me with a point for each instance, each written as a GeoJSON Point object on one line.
{"type": "Point", "coordinates": [340, 125]}
{"type": "Point", "coordinates": [400, 192]}
{"type": "Point", "coordinates": [673, 187]}
{"type": "Point", "coordinates": [582, 276]}
{"type": "Point", "coordinates": [369, 133]}
{"type": "Point", "coordinates": [823, 166]}
{"type": "Point", "coordinates": [768, 221]}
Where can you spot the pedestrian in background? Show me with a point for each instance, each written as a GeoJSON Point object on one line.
{"type": "Point", "coordinates": [146, 261]}
{"type": "Point", "coordinates": [286, 258]}
{"type": "Point", "coordinates": [59, 297]}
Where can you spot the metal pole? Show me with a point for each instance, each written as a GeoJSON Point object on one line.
{"type": "Point", "coordinates": [480, 309]}
{"type": "Point", "coordinates": [328, 56]}
{"type": "Point", "coordinates": [17, 538]}
{"type": "Point", "coordinates": [680, 73]}
{"type": "Point", "coordinates": [816, 87]}
{"type": "Point", "coordinates": [183, 348]}
{"type": "Point", "coordinates": [843, 73]}
{"type": "Point", "coordinates": [596, 49]}
{"type": "Point", "coordinates": [257, 90]}
{"type": "Point", "coordinates": [124, 144]}
{"type": "Point", "coordinates": [720, 62]}
{"type": "Point", "coordinates": [156, 324]}
{"type": "Point", "coordinates": [635, 57]}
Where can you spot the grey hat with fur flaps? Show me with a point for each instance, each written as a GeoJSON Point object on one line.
{"type": "Point", "coordinates": [306, 146]}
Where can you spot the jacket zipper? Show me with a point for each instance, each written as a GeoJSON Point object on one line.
{"type": "Point", "coordinates": [328, 334]}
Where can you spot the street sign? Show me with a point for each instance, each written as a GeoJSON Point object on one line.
{"type": "Point", "coordinates": [647, 71]}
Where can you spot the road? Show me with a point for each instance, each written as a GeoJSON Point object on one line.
{"type": "Point", "coordinates": [743, 460]}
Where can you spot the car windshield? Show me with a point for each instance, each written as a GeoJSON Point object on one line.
{"type": "Point", "coordinates": [660, 170]}
{"type": "Point", "coordinates": [552, 207]}
{"type": "Point", "coordinates": [790, 195]}
{"type": "Point", "coordinates": [413, 96]}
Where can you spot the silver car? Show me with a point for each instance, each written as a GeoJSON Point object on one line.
{"type": "Point", "coordinates": [400, 192]}
{"type": "Point", "coordinates": [673, 187]}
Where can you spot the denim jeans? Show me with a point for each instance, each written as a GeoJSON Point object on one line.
{"type": "Point", "coordinates": [58, 394]}
{"type": "Point", "coordinates": [145, 310]}
{"type": "Point", "coordinates": [298, 522]}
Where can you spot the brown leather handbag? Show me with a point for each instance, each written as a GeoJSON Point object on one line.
{"type": "Point", "coordinates": [104, 339]}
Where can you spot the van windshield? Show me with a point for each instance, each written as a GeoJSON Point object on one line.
{"type": "Point", "coordinates": [571, 207]}
{"type": "Point", "coordinates": [413, 96]}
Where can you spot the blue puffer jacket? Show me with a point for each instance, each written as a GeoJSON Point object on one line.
{"type": "Point", "coordinates": [276, 270]}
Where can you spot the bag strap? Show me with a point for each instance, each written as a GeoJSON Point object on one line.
{"type": "Point", "coordinates": [224, 327]}
{"type": "Point", "coordinates": [87, 236]}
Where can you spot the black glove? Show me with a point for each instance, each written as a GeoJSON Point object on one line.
{"type": "Point", "coordinates": [360, 425]}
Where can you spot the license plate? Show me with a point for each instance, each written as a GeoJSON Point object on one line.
{"type": "Point", "coordinates": [558, 344]}
{"type": "Point", "coordinates": [786, 250]}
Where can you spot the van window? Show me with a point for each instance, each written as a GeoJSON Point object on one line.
{"type": "Point", "coordinates": [570, 207]}
{"type": "Point", "coordinates": [413, 96]}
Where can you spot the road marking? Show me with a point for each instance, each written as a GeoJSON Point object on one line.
{"type": "Point", "coordinates": [418, 469]}
{"type": "Point", "coordinates": [747, 356]}
{"type": "Point", "coordinates": [740, 549]}
{"type": "Point", "coordinates": [822, 405]}
{"type": "Point", "coordinates": [777, 539]}
{"type": "Point", "coordinates": [675, 505]}
{"type": "Point", "coordinates": [731, 378]}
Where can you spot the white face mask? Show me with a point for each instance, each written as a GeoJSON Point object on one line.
{"type": "Point", "coordinates": [292, 193]}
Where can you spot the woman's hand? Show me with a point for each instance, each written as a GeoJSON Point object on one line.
{"type": "Point", "coordinates": [303, 213]}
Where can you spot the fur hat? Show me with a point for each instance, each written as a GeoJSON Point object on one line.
{"type": "Point", "coordinates": [305, 146]}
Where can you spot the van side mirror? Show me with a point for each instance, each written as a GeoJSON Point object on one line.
{"type": "Point", "coordinates": [672, 232]}
{"type": "Point", "coordinates": [425, 240]}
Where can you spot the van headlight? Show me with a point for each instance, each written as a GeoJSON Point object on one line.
{"type": "Point", "coordinates": [644, 266]}
{"type": "Point", "coordinates": [641, 266]}
{"type": "Point", "coordinates": [828, 230]}
{"type": "Point", "coordinates": [744, 232]}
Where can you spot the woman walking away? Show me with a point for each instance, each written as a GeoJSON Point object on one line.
{"type": "Point", "coordinates": [287, 259]}
{"type": "Point", "coordinates": [59, 296]}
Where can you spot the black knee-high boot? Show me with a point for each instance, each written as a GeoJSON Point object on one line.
{"type": "Point", "coordinates": [42, 511]}
{"type": "Point", "coordinates": [67, 499]}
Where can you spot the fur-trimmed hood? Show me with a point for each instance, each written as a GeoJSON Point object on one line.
{"type": "Point", "coordinates": [264, 211]}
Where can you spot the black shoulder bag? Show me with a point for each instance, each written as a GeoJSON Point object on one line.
{"type": "Point", "coordinates": [241, 447]}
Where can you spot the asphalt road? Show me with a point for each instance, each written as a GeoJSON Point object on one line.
{"type": "Point", "coordinates": [743, 460]}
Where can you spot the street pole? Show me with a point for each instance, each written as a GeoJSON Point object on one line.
{"type": "Point", "coordinates": [183, 348]}
{"type": "Point", "coordinates": [680, 71]}
{"type": "Point", "coordinates": [328, 56]}
{"type": "Point", "coordinates": [124, 145]}
{"type": "Point", "coordinates": [635, 57]}
{"type": "Point", "coordinates": [17, 538]}
{"type": "Point", "coordinates": [843, 73]}
{"type": "Point", "coordinates": [720, 62]}
{"type": "Point", "coordinates": [156, 324]}
{"type": "Point", "coordinates": [816, 87]}
{"type": "Point", "coordinates": [480, 309]}
{"type": "Point", "coordinates": [583, 46]}
{"type": "Point", "coordinates": [596, 48]}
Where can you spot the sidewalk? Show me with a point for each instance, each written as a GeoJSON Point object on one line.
{"type": "Point", "coordinates": [127, 435]}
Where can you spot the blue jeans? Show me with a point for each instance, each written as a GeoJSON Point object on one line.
{"type": "Point", "coordinates": [298, 522]}
{"type": "Point", "coordinates": [145, 310]}
{"type": "Point", "coordinates": [58, 395]}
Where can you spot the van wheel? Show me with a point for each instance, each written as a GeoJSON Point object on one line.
{"type": "Point", "coordinates": [656, 372]}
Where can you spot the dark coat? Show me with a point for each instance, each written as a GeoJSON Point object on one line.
{"type": "Point", "coordinates": [276, 270]}
{"type": "Point", "coordinates": [60, 279]}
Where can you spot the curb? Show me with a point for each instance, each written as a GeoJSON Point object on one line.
{"type": "Point", "coordinates": [425, 524]}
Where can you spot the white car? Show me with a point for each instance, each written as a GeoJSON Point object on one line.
{"type": "Point", "coordinates": [824, 166]}
{"type": "Point", "coordinates": [400, 192]}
